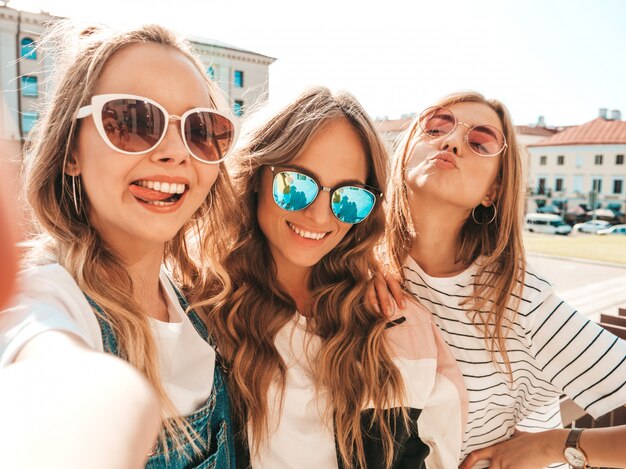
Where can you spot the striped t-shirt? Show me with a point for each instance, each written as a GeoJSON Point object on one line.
{"type": "Point", "coordinates": [553, 350]}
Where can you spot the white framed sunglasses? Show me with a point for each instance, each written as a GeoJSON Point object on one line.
{"type": "Point", "coordinates": [135, 125]}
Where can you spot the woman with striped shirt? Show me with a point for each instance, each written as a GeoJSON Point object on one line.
{"type": "Point", "coordinates": [455, 238]}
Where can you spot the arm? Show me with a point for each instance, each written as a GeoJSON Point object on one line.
{"type": "Point", "coordinates": [8, 254]}
{"type": "Point", "coordinates": [70, 407]}
{"type": "Point", "coordinates": [576, 356]}
{"type": "Point", "coordinates": [603, 447]}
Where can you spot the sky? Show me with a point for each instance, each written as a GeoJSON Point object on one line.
{"type": "Point", "coordinates": [562, 59]}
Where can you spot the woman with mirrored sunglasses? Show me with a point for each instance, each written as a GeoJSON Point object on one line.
{"type": "Point", "coordinates": [319, 377]}
{"type": "Point", "coordinates": [124, 171]}
{"type": "Point", "coordinates": [454, 237]}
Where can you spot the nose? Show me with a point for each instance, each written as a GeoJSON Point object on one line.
{"type": "Point", "coordinates": [172, 148]}
{"type": "Point", "coordinates": [319, 211]}
{"type": "Point", "coordinates": [453, 142]}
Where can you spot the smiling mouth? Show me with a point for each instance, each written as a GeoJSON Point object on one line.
{"type": "Point", "coordinates": [307, 234]}
{"type": "Point", "coordinates": [160, 194]}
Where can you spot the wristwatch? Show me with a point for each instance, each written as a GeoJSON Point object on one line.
{"type": "Point", "coordinates": [575, 456]}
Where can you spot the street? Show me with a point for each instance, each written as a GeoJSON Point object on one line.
{"type": "Point", "coordinates": [591, 287]}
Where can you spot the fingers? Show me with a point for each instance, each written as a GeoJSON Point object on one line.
{"type": "Point", "coordinates": [382, 295]}
{"type": "Point", "coordinates": [371, 297]}
{"type": "Point", "coordinates": [395, 287]}
{"type": "Point", "coordinates": [483, 454]}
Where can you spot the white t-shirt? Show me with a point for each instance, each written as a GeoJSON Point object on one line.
{"type": "Point", "coordinates": [302, 436]}
{"type": "Point", "coordinates": [50, 299]}
{"type": "Point", "coordinates": [553, 351]}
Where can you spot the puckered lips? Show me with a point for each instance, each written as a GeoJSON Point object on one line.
{"type": "Point", "coordinates": [444, 160]}
{"type": "Point", "coordinates": [159, 193]}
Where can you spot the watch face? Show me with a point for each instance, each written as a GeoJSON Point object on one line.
{"type": "Point", "coordinates": [575, 458]}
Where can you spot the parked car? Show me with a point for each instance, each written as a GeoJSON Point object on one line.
{"type": "Point", "coordinates": [553, 209]}
{"type": "Point", "coordinates": [591, 226]}
{"type": "Point", "coordinates": [613, 230]}
{"type": "Point", "coordinates": [546, 223]}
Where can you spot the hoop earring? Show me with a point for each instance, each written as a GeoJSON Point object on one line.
{"type": "Point", "coordinates": [77, 198]}
{"type": "Point", "coordinates": [495, 211]}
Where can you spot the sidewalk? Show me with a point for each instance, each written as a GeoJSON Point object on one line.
{"type": "Point", "coordinates": [591, 287]}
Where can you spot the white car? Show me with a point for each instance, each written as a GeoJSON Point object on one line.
{"type": "Point", "coordinates": [591, 226]}
{"type": "Point", "coordinates": [546, 223]}
{"type": "Point", "coordinates": [614, 230]}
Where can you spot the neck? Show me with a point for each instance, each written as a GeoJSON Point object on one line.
{"type": "Point", "coordinates": [295, 281]}
{"type": "Point", "coordinates": [144, 269]}
{"type": "Point", "coordinates": [436, 244]}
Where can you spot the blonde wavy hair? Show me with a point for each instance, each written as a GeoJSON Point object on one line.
{"type": "Point", "coordinates": [353, 364]}
{"type": "Point", "coordinates": [69, 239]}
{"type": "Point", "coordinates": [498, 244]}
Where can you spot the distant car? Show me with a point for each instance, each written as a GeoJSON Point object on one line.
{"type": "Point", "coordinates": [546, 223]}
{"type": "Point", "coordinates": [591, 226]}
{"type": "Point", "coordinates": [613, 230]}
{"type": "Point", "coordinates": [553, 209]}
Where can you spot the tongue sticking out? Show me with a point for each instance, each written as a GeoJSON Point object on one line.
{"type": "Point", "coordinates": [148, 195]}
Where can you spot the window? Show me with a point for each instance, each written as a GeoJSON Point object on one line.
{"type": "Point", "coordinates": [28, 49]}
{"type": "Point", "coordinates": [619, 159]}
{"type": "Point", "coordinates": [28, 120]}
{"type": "Point", "coordinates": [579, 180]}
{"type": "Point", "coordinates": [579, 161]}
{"type": "Point", "coordinates": [618, 186]}
{"type": "Point", "coordinates": [560, 160]}
{"type": "Point", "coordinates": [558, 184]}
{"type": "Point", "coordinates": [238, 107]}
{"type": "Point", "coordinates": [238, 79]}
{"type": "Point", "coordinates": [598, 159]}
{"type": "Point", "coordinates": [596, 185]}
{"type": "Point", "coordinates": [541, 186]}
{"type": "Point", "coordinates": [29, 86]}
{"type": "Point", "coordinates": [543, 160]}
{"type": "Point", "coordinates": [210, 71]}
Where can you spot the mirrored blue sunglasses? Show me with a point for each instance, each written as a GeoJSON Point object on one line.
{"type": "Point", "coordinates": [295, 190]}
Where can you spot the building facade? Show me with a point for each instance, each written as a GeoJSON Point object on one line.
{"type": "Point", "coordinates": [582, 167]}
{"type": "Point", "coordinates": [243, 75]}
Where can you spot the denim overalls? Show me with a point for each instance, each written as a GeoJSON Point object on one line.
{"type": "Point", "coordinates": [211, 422]}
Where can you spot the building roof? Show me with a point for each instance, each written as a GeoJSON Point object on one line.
{"type": "Point", "coordinates": [596, 132]}
{"type": "Point", "coordinates": [223, 45]}
{"type": "Point", "coordinates": [535, 131]}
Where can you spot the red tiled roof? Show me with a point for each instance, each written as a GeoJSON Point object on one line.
{"type": "Point", "coordinates": [536, 131]}
{"type": "Point", "coordinates": [598, 131]}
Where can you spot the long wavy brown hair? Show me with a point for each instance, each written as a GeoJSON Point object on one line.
{"type": "Point", "coordinates": [499, 244]}
{"type": "Point", "coordinates": [353, 364]}
{"type": "Point", "coordinates": [65, 237]}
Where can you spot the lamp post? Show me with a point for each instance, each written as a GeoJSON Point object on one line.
{"type": "Point", "coordinates": [593, 197]}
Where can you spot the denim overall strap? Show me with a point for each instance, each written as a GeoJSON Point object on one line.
{"type": "Point", "coordinates": [200, 327]}
{"type": "Point", "coordinates": [109, 340]}
{"type": "Point", "coordinates": [198, 324]}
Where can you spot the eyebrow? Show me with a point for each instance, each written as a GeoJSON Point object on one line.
{"type": "Point", "coordinates": [308, 172]}
{"type": "Point", "coordinates": [485, 128]}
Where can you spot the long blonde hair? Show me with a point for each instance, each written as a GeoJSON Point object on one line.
{"type": "Point", "coordinates": [69, 238]}
{"type": "Point", "coordinates": [353, 365]}
{"type": "Point", "coordinates": [499, 244]}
